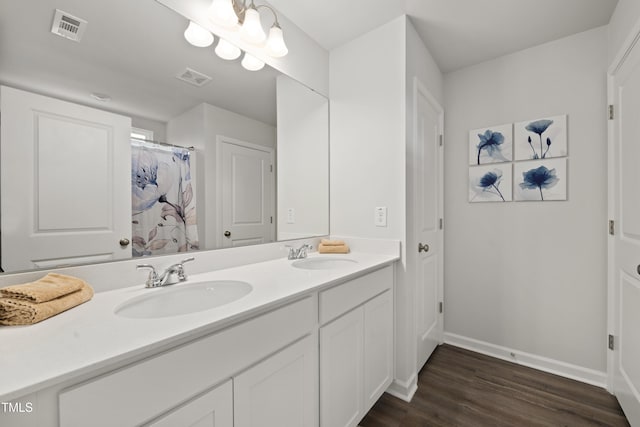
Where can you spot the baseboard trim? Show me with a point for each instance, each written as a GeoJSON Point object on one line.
{"type": "Point", "coordinates": [404, 390]}
{"type": "Point", "coordinates": [563, 369]}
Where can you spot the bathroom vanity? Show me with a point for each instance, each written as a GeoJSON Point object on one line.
{"type": "Point", "coordinates": [311, 344]}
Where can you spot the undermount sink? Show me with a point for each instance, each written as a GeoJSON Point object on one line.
{"type": "Point", "coordinates": [183, 299]}
{"type": "Point", "coordinates": [323, 263]}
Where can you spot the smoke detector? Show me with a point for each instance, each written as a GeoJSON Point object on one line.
{"type": "Point", "coordinates": [193, 77]}
{"type": "Point", "coordinates": [68, 26]}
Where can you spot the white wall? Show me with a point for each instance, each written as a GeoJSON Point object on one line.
{"type": "Point", "coordinates": [159, 128]}
{"type": "Point", "coordinates": [367, 132]}
{"type": "Point", "coordinates": [623, 20]}
{"type": "Point", "coordinates": [302, 160]}
{"type": "Point", "coordinates": [199, 127]}
{"type": "Point", "coordinates": [371, 82]}
{"type": "Point", "coordinates": [531, 276]}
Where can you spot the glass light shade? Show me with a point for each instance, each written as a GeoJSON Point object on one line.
{"type": "Point", "coordinates": [221, 12]}
{"type": "Point", "coordinates": [251, 29]}
{"type": "Point", "coordinates": [275, 43]}
{"type": "Point", "coordinates": [226, 50]}
{"type": "Point", "coordinates": [198, 36]}
{"type": "Point", "coordinates": [251, 63]}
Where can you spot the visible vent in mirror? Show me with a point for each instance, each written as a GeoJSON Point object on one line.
{"type": "Point", "coordinates": [194, 77]}
{"type": "Point", "coordinates": [68, 26]}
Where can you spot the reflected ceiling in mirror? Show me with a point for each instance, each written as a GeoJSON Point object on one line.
{"type": "Point", "coordinates": [127, 62]}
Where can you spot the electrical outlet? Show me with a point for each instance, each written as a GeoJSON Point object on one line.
{"type": "Point", "coordinates": [380, 217]}
{"type": "Point", "coordinates": [291, 216]}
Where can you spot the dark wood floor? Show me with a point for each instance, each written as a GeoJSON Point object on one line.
{"type": "Point", "coordinates": [462, 388]}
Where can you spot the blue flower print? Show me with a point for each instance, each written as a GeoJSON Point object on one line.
{"type": "Point", "coordinates": [491, 181]}
{"type": "Point", "coordinates": [489, 141]}
{"type": "Point", "coordinates": [539, 127]}
{"type": "Point", "coordinates": [539, 178]}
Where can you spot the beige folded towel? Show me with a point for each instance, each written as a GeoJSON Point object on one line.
{"type": "Point", "coordinates": [50, 287]}
{"type": "Point", "coordinates": [20, 311]}
{"type": "Point", "coordinates": [328, 242]}
{"type": "Point", "coordinates": [333, 249]}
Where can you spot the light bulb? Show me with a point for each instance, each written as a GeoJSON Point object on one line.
{"type": "Point", "coordinates": [226, 50]}
{"type": "Point", "coordinates": [251, 63]}
{"type": "Point", "coordinates": [275, 43]}
{"type": "Point", "coordinates": [251, 29]}
{"type": "Point", "coordinates": [221, 12]}
{"type": "Point", "coordinates": [198, 36]}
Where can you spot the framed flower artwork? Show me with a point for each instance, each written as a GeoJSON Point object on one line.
{"type": "Point", "coordinates": [491, 145]}
{"type": "Point", "coordinates": [541, 138]}
{"type": "Point", "coordinates": [490, 183]}
{"type": "Point", "coordinates": [540, 180]}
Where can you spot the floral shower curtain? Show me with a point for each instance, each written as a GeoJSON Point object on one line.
{"type": "Point", "coordinates": [163, 199]}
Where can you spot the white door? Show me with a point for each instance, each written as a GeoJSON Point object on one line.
{"type": "Point", "coordinates": [212, 409]}
{"type": "Point", "coordinates": [624, 260]}
{"type": "Point", "coordinates": [246, 190]}
{"type": "Point", "coordinates": [280, 391]}
{"type": "Point", "coordinates": [65, 183]}
{"type": "Point", "coordinates": [425, 237]}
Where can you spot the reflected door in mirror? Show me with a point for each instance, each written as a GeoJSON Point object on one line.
{"type": "Point", "coordinates": [247, 193]}
{"type": "Point", "coordinates": [66, 192]}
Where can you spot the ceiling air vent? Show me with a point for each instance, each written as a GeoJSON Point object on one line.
{"type": "Point", "coordinates": [68, 26]}
{"type": "Point", "coordinates": [193, 77]}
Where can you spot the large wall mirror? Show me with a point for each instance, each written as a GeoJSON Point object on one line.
{"type": "Point", "coordinates": [239, 157]}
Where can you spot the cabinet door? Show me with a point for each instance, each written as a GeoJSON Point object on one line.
{"type": "Point", "coordinates": [341, 370]}
{"type": "Point", "coordinates": [212, 409]}
{"type": "Point", "coordinates": [378, 347]}
{"type": "Point", "coordinates": [280, 391]}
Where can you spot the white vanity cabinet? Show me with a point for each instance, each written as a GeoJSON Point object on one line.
{"type": "Point", "coordinates": [356, 347]}
{"type": "Point", "coordinates": [260, 357]}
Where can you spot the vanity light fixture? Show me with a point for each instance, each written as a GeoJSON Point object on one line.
{"type": "Point", "coordinates": [226, 50]}
{"type": "Point", "coordinates": [236, 14]}
{"type": "Point", "coordinates": [251, 63]}
{"type": "Point", "coordinates": [198, 36]}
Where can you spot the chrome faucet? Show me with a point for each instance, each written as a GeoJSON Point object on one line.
{"type": "Point", "coordinates": [172, 275]}
{"type": "Point", "coordinates": [299, 253]}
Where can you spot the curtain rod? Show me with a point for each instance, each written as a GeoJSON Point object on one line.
{"type": "Point", "coordinates": [166, 144]}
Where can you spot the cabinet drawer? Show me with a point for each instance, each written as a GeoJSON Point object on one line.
{"type": "Point", "coordinates": [342, 298]}
{"type": "Point", "coordinates": [139, 392]}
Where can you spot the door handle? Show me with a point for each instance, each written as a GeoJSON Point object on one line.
{"type": "Point", "coordinates": [638, 268]}
{"type": "Point", "coordinates": [227, 234]}
{"type": "Point", "coordinates": [124, 242]}
{"type": "Point", "coordinates": [423, 247]}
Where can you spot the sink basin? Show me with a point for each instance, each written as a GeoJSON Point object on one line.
{"type": "Point", "coordinates": [183, 299]}
{"type": "Point", "coordinates": [323, 263]}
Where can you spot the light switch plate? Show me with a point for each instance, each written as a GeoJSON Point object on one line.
{"type": "Point", "coordinates": [291, 216]}
{"type": "Point", "coordinates": [380, 217]}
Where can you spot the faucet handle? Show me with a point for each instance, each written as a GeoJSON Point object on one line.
{"type": "Point", "coordinates": [153, 274]}
{"type": "Point", "coordinates": [181, 275]}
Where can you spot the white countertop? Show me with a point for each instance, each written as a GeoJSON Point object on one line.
{"type": "Point", "coordinates": [91, 336]}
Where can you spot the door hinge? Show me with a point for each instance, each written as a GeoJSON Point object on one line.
{"type": "Point", "coordinates": [270, 168]}
{"type": "Point", "coordinates": [440, 307]}
{"type": "Point", "coordinates": [612, 227]}
{"type": "Point", "coordinates": [441, 140]}
{"type": "Point", "coordinates": [611, 342]}
{"type": "Point", "coordinates": [271, 218]}
{"type": "Point", "coordinates": [441, 223]}
{"type": "Point", "coordinates": [611, 112]}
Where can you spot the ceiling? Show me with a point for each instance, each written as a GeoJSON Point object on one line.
{"type": "Point", "coordinates": [131, 50]}
{"type": "Point", "coordinates": [458, 33]}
